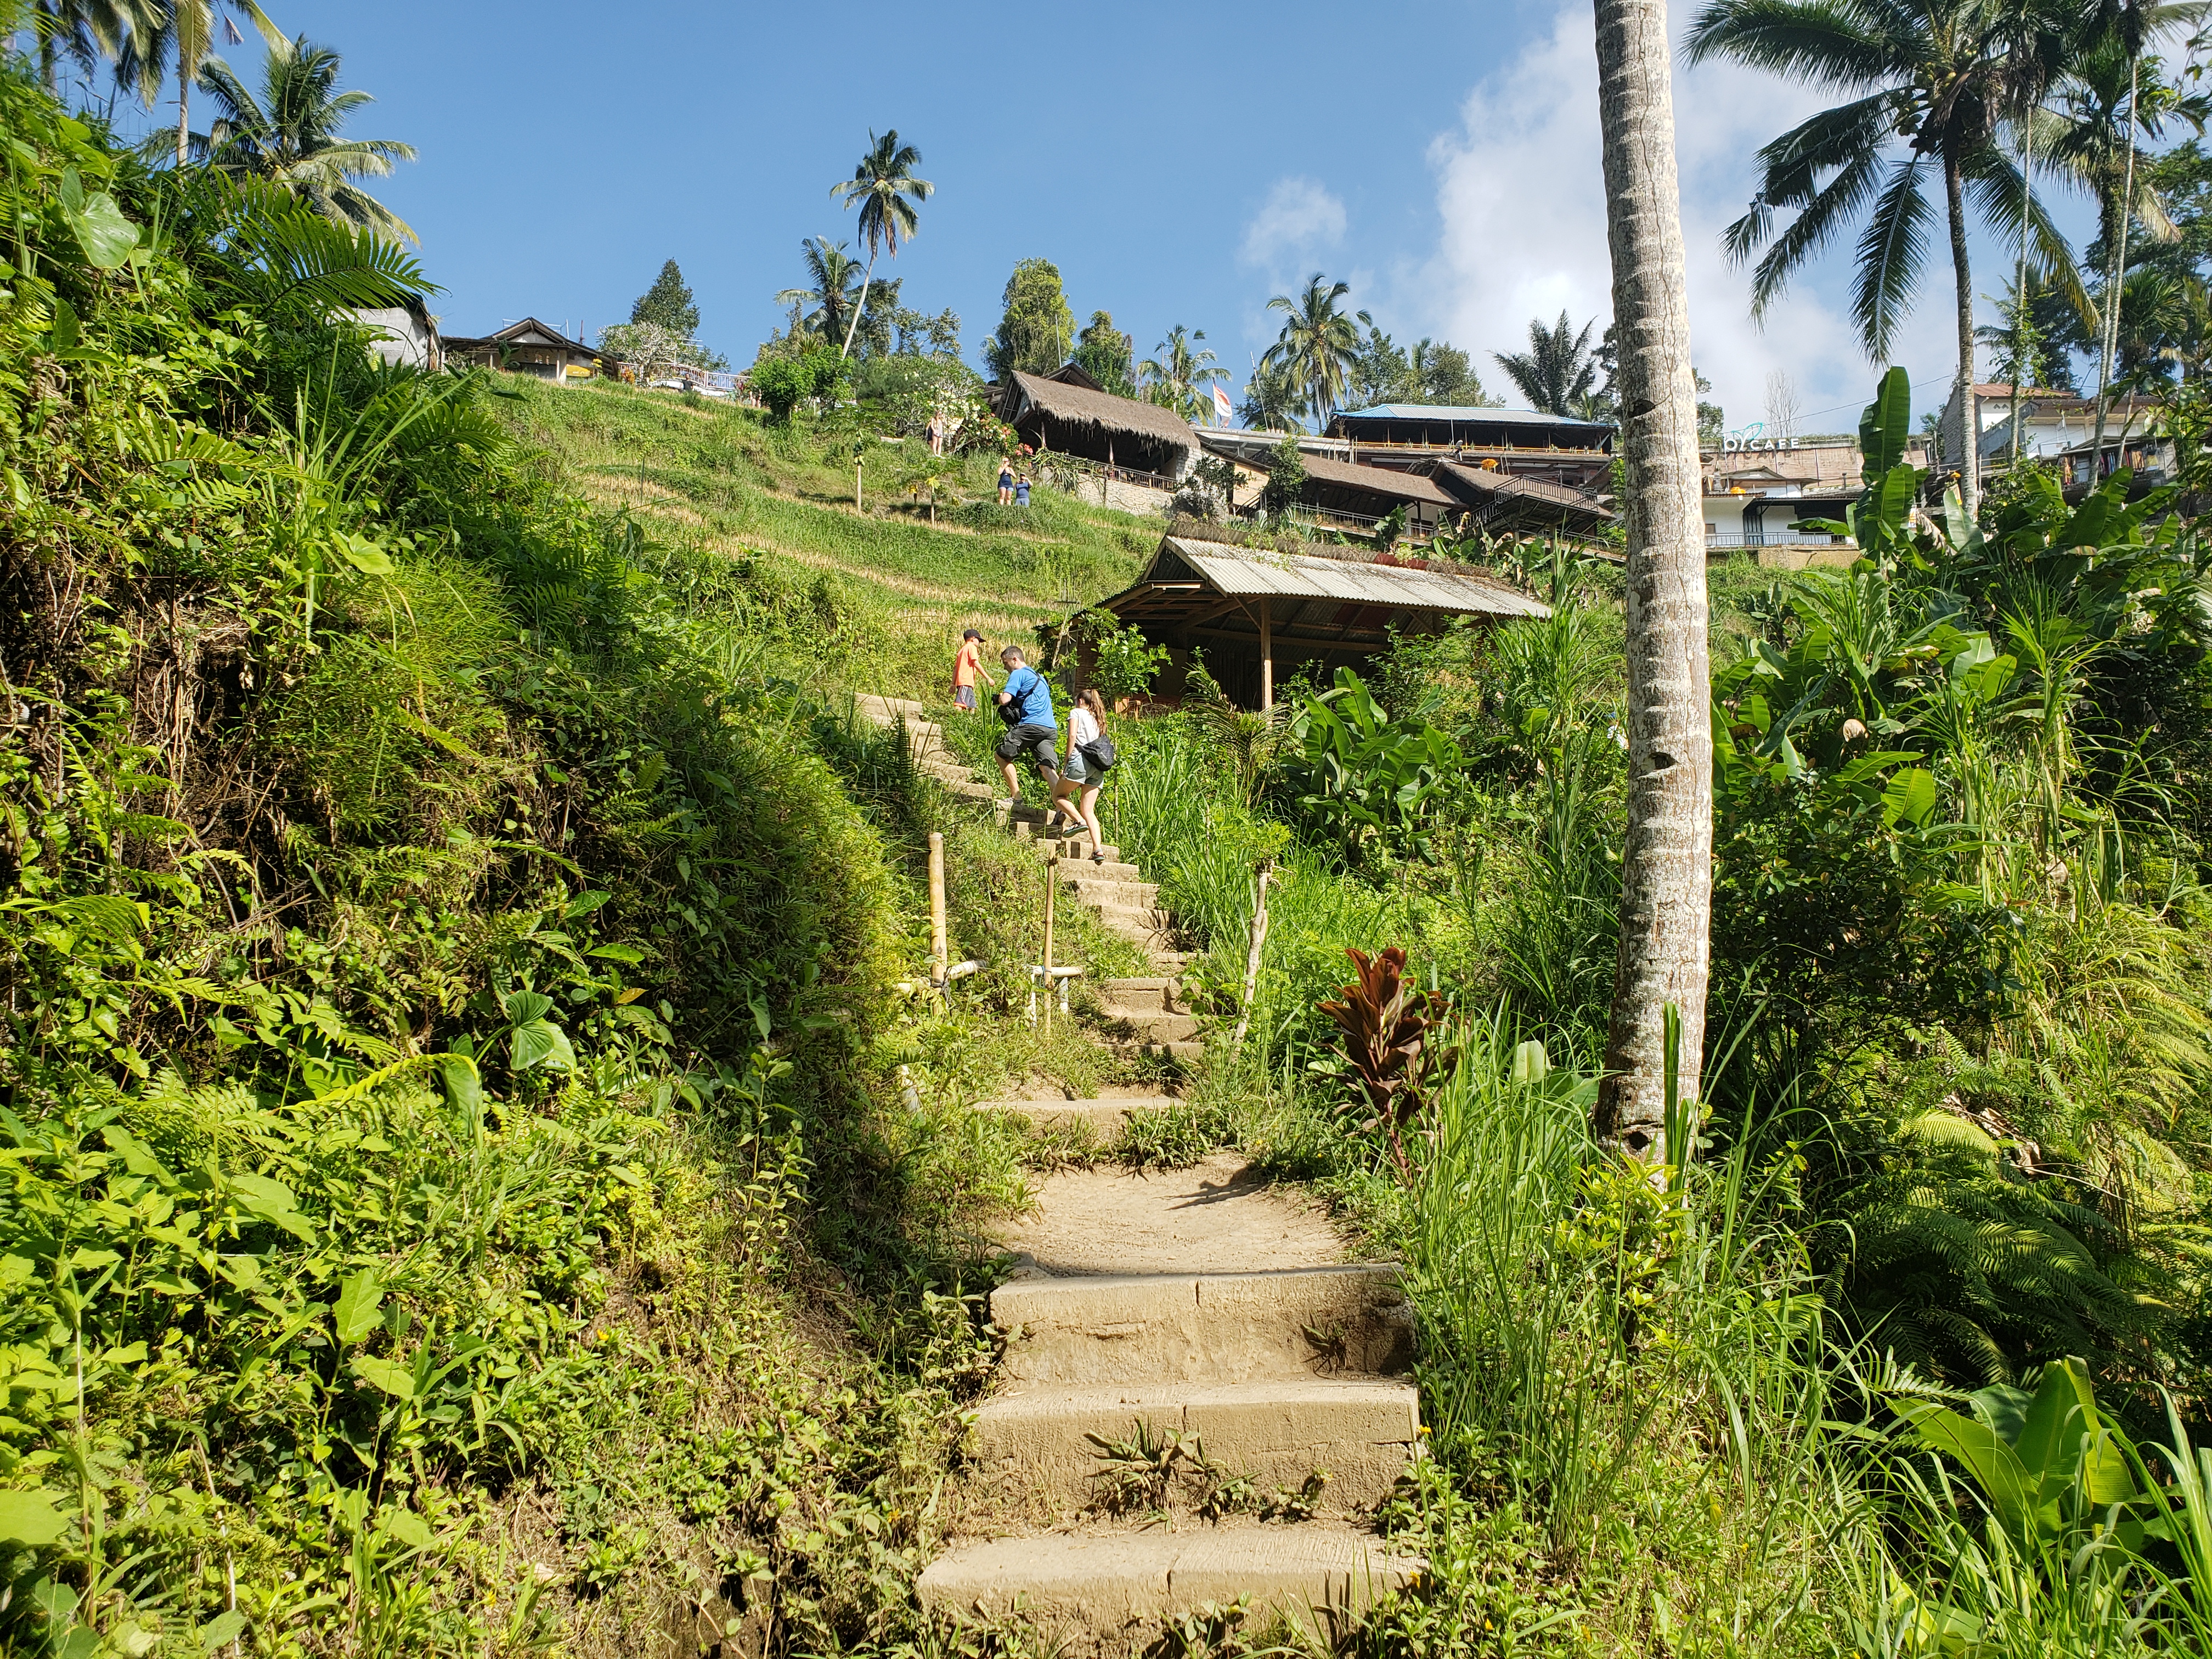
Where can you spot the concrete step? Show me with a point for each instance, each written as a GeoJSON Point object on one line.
{"type": "Point", "coordinates": [1072, 846]}
{"type": "Point", "coordinates": [1185, 1053]}
{"type": "Point", "coordinates": [1277, 1432]}
{"type": "Point", "coordinates": [1077, 867]}
{"type": "Point", "coordinates": [1105, 1118]}
{"type": "Point", "coordinates": [1155, 994]}
{"type": "Point", "coordinates": [1151, 1027]}
{"type": "Point", "coordinates": [888, 711]}
{"type": "Point", "coordinates": [1132, 922]}
{"type": "Point", "coordinates": [1107, 1587]}
{"type": "Point", "coordinates": [1092, 888]}
{"type": "Point", "coordinates": [1156, 1329]}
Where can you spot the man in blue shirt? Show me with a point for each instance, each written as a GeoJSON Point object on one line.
{"type": "Point", "coordinates": [1025, 702]}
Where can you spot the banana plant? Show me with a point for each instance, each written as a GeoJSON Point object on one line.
{"type": "Point", "coordinates": [2046, 1463]}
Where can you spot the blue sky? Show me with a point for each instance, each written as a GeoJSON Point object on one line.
{"type": "Point", "coordinates": [1179, 162]}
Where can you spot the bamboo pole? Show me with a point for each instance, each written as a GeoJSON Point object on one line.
{"type": "Point", "coordinates": [1252, 951]}
{"type": "Point", "coordinates": [939, 954]}
{"type": "Point", "coordinates": [1051, 890]}
{"type": "Point", "coordinates": [1267, 656]}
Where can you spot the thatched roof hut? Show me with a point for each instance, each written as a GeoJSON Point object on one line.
{"type": "Point", "coordinates": [1068, 412]}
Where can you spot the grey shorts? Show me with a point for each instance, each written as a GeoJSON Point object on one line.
{"type": "Point", "coordinates": [1076, 770]}
{"type": "Point", "coordinates": [965, 696]}
{"type": "Point", "coordinates": [1039, 742]}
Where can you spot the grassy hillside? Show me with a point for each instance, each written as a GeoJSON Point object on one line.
{"type": "Point", "coordinates": [727, 481]}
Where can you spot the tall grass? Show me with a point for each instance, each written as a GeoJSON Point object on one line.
{"type": "Point", "coordinates": [1641, 1371]}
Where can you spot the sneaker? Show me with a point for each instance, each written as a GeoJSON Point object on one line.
{"type": "Point", "coordinates": [1007, 805]}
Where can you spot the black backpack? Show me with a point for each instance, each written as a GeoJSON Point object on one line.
{"type": "Point", "coordinates": [1101, 753]}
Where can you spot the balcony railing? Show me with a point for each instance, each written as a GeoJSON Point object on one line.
{"type": "Point", "coordinates": [1353, 524]}
{"type": "Point", "coordinates": [1777, 538]}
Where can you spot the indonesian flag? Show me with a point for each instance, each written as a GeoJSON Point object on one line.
{"type": "Point", "coordinates": [1222, 408]}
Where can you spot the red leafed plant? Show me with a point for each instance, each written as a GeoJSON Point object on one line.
{"type": "Point", "coordinates": [1386, 1020]}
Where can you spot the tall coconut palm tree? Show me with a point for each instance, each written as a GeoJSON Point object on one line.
{"type": "Point", "coordinates": [1667, 861]}
{"type": "Point", "coordinates": [290, 134]}
{"type": "Point", "coordinates": [830, 273]}
{"type": "Point", "coordinates": [185, 29]}
{"type": "Point", "coordinates": [2111, 98]}
{"type": "Point", "coordinates": [884, 186]}
{"type": "Point", "coordinates": [1318, 344]}
{"type": "Point", "coordinates": [84, 31]}
{"type": "Point", "coordinates": [1559, 371]}
{"type": "Point", "coordinates": [1273, 402]}
{"type": "Point", "coordinates": [1933, 80]}
{"type": "Point", "coordinates": [1176, 379]}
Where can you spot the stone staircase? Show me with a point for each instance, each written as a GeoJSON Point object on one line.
{"type": "Point", "coordinates": [1200, 1404]}
{"type": "Point", "coordinates": [1160, 1442]}
{"type": "Point", "coordinates": [1141, 1011]}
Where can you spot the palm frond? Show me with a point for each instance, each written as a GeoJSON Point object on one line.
{"type": "Point", "coordinates": [1892, 250]}
{"type": "Point", "coordinates": [283, 252]}
{"type": "Point", "coordinates": [1819, 43]}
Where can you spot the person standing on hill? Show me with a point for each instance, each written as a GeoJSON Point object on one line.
{"type": "Point", "coordinates": [967, 669]}
{"type": "Point", "coordinates": [1005, 480]}
{"type": "Point", "coordinates": [1025, 705]}
{"type": "Point", "coordinates": [1090, 753]}
{"type": "Point", "coordinates": [1022, 489]}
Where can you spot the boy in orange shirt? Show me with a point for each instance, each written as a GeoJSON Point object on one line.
{"type": "Point", "coordinates": [966, 668]}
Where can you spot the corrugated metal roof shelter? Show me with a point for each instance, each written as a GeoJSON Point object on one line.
{"type": "Point", "coordinates": [1256, 612]}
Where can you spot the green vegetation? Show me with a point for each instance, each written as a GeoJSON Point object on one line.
{"type": "Point", "coordinates": [455, 1194]}
{"type": "Point", "coordinates": [471, 1180]}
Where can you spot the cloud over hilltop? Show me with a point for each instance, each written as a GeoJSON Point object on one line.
{"type": "Point", "coordinates": [1521, 196]}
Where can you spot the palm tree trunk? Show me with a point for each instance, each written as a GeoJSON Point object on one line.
{"type": "Point", "coordinates": [853, 327]}
{"type": "Point", "coordinates": [183, 108]}
{"type": "Point", "coordinates": [2108, 336]}
{"type": "Point", "coordinates": [1667, 864]}
{"type": "Point", "coordinates": [2020, 277]}
{"type": "Point", "coordinates": [1969, 463]}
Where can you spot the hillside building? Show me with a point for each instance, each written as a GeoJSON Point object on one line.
{"type": "Point", "coordinates": [528, 347]}
{"type": "Point", "coordinates": [1069, 413]}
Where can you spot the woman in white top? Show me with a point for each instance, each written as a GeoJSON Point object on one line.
{"type": "Point", "coordinates": [1081, 776]}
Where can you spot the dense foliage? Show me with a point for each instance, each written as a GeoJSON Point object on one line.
{"type": "Point", "coordinates": [447, 986]}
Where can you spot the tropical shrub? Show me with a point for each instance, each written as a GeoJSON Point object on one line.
{"type": "Point", "coordinates": [784, 383]}
{"type": "Point", "coordinates": [1364, 784]}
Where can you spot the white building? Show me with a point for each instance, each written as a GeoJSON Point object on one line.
{"type": "Point", "coordinates": [2054, 424]}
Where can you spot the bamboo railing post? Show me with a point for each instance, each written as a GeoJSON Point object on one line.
{"type": "Point", "coordinates": [1051, 890]}
{"type": "Point", "coordinates": [940, 956]}
{"type": "Point", "coordinates": [1252, 951]}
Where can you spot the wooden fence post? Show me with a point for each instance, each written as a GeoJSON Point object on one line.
{"type": "Point", "coordinates": [1252, 952]}
{"type": "Point", "coordinates": [939, 955]}
{"type": "Point", "coordinates": [1051, 890]}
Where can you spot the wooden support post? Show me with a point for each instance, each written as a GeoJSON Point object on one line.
{"type": "Point", "coordinates": [1252, 951]}
{"type": "Point", "coordinates": [1051, 891]}
{"type": "Point", "coordinates": [857, 466]}
{"type": "Point", "coordinates": [938, 955]}
{"type": "Point", "coordinates": [1267, 656]}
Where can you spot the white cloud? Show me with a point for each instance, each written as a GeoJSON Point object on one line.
{"type": "Point", "coordinates": [1520, 192]}
{"type": "Point", "coordinates": [1298, 217]}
